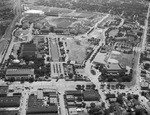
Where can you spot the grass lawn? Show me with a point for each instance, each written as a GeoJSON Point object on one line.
{"type": "Point", "coordinates": [77, 50]}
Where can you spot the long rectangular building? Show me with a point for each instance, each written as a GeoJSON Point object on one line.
{"type": "Point", "coordinates": [18, 74]}
{"type": "Point", "coordinates": [11, 101]}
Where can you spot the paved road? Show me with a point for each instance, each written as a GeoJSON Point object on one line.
{"type": "Point", "coordinates": [8, 37]}
{"type": "Point", "coordinates": [95, 26]}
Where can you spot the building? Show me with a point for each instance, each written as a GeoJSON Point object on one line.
{"type": "Point", "coordinates": [44, 102]}
{"type": "Point", "coordinates": [144, 85]}
{"type": "Point", "coordinates": [11, 101]}
{"type": "Point", "coordinates": [9, 112]}
{"type": "Point", "coordinates": [91, 95]}
{"type": "Point", "coordinates": [115, 69]}
{"type": "Point", "coordinates": [72, 111]}
{"type": "Point", "coordinates": [28, 50]}
{"type": "Point", "coordinates": [3, 91]}
{"type": "Point", "coordinates": [19, 74]}
{"type": "Point", "coordinates": [74, 92]}
{"type": "Point", "coordinates": [39, 94]}
{"type": "Point", "coordinates": [38, 110]}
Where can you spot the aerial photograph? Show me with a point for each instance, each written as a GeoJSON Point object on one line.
{"type": "Point", "coordinates": [74, 57]}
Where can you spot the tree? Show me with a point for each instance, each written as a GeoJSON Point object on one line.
{"type": "Point", "coordinates": [12, 79]}
{"type": "Point", "coordinates": [92, 105]}
{"type": "Point", "coordinates": [22, 79]}
{"type": "Point", "coordinates": [120, 99]}
{"type": "Point", "coordinates": [11, 57]}
{"type": "Point", "coordinates": [103, 104]}
{"type": "Point", "coordinates": [31, 79]}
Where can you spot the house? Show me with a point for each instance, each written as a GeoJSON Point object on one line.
{"type": "Point", "coordinates": [144, 85]}
{"type": "Point", "coordinates": [72, 111]}
{"type": "Point", "coordinates": [3, 91]}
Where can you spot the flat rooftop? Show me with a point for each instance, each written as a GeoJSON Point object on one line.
{"type": "Point", "coordinates": [19, 71]}
{"type": "Point", "coordinates": [10, 101]}
{"type": "Point", "coordinates": [112, 67]}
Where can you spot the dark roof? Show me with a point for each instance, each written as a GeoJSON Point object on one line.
{"type": "Point", "coordinates": [49, 109]}
{"type": "Point", "coordinates": [91, 95]}
{"type": "Point", "coordinates": [29, 45]}
{"type": "Point", "coordinates": [73, 92]}
{"type": "Point", "coordinates": [10, 101]}
{"type": "Point", "coordinates": [28, 53]}
{"type": "Point", "coordinates": [44, 114]}
{"type": "Point", "coordinates": [3, 90]}
{"type": "Point", "coordinates": [9, 112]}
{"type": "Point", "coordinates": [110, 96]}
{"type": "Point", "coordinates": [28, 50]}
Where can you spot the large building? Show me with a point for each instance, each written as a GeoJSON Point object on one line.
{"type": "Point", "coordinates": [44, 103]}
{"type": "Point", "coordinates": [11, 101]}
{"type": "Point", "coordinates": [18, 74]}
{"type": "Point", "coordinates": [9, 112]}
{"type": "Point", "coordinates": [28, 50]}
{"type": "Point", "coordinates": [114, 69]}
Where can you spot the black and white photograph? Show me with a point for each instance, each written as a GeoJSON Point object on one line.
{"type": "Point", "coordinates": [74, 57]}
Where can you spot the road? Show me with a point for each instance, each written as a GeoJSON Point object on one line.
{"type": "Point", "coordinates": [8, 38]}
{"type": "Point", "coordinates": [24, 100]}
{"type": "Point", "coordinates": [95, 26]}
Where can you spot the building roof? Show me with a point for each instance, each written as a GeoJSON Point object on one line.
{"type": "Point", "coordinates": [9, 112]}
{"type": "Point", "coordinates": [28, 49]}
{"type": "Point", "coordinates": [144, 84]}
{"type": "Point", "coordinates": [28, 53]}
{"type": "Point", "coordinates": [91, 95]}
{"type": "Point", "coordinates": [113, 99]}
{"type": "Point", "coordinates": [110, 96]}
{"type": "Point", "coordinates": [28, 45]}
{"type": "Point", "coordinates": [3, 90]}
{"type": "Point", "coordinates": [44, 114]}
{"type": "Point", "coordinates": [19, 71]}
{"type": "Point", "coordinates": [112, 67]}
{"type": "Point", "coordinates": [11, 101]}
{"type": "Point", "coordinates": [73, 92]}
{"type": "Point", "coordinates": [48, 109]}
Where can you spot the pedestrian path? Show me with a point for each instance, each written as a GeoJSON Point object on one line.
{"type": "Point", "coordinates": [57, 69]}
{"type": "Point", "coordinates": [137, 49]}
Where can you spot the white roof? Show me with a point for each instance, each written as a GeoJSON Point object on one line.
{"type": "Point", "coordinates": [16, 61]}
{"type": "Point", "coordinates": [112, 61]}
{"type": "Point", "coordinates": [34, 12]}
{"type": "Point", "coordinates": [115, 52]}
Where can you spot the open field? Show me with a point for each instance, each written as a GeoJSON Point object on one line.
{"type": "Point", "coordinates": [63, 22]}
{"type": "Point", "coordinates": [125, 59]}
{"type": "Point", "coordinates": [77, 50]}
{"type": "Point", "coordinates": [113, 33]}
